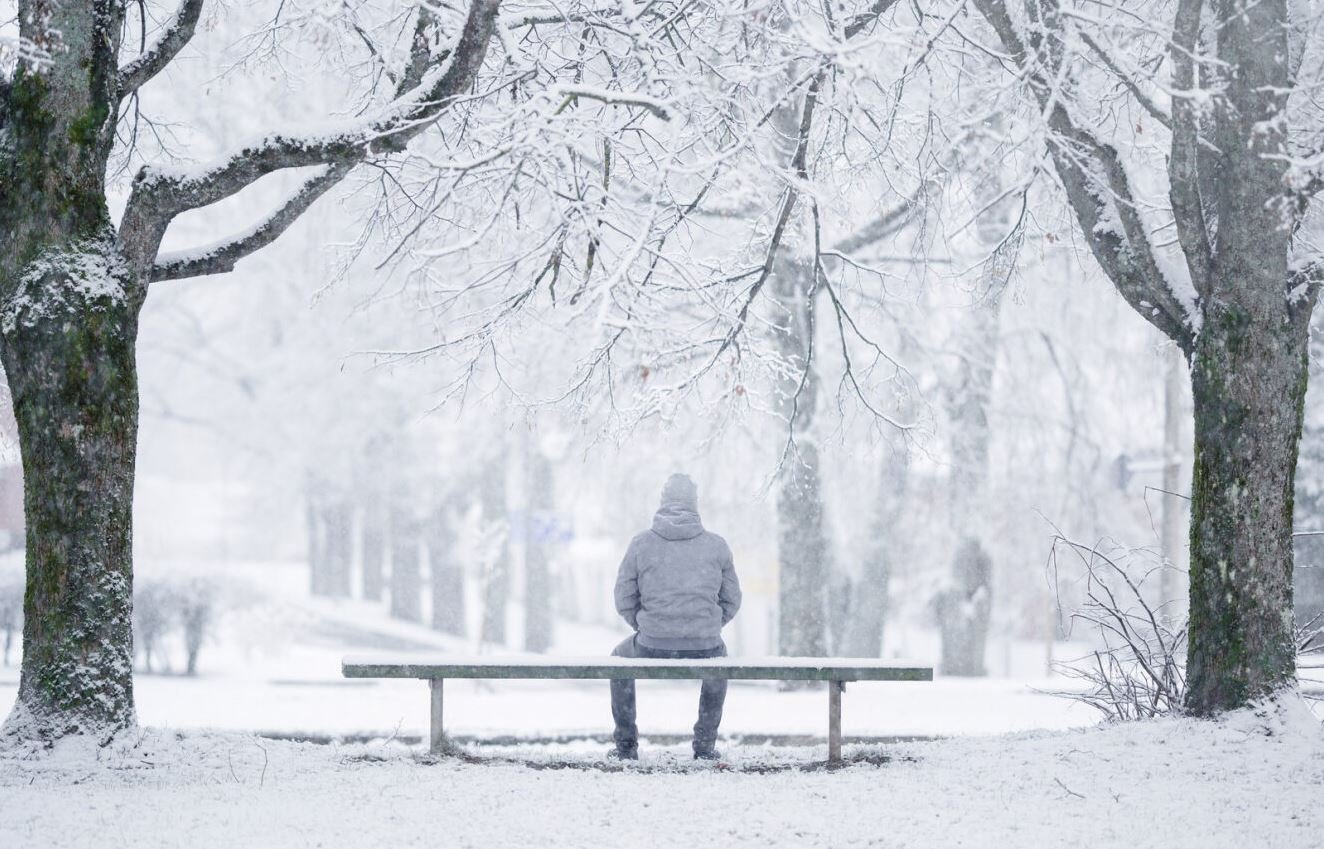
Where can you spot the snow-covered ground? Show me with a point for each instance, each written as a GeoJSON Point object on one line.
{"type": "Point", "coordinates": [1253, 779]}
{"type": "Point", "coordinates": [1016, 767]}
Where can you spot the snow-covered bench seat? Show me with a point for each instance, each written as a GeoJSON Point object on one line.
{"type": "Point", "coordinates": [437, 668]}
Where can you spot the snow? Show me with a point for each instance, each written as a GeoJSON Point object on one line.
{"type": "Point", "coordinates": [1253, 778]}
{"type": "Point", "coordinates": [598, 661]}
{"type": "Point", "coordinates": [88, 273]}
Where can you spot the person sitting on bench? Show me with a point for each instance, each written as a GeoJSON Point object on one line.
{"type": "Point", "coordinates": [676, 588]}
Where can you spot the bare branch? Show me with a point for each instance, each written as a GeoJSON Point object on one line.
{"type": "Point", "coordinates": [860, 22]}
{"type": "Point", "coordinates": [1143, 99]}
{"type": "Point", "coordinates": [223, 256]}
{"type": "Point", "coordinates": [889, 222]}
{"type": "Point", "coordinates": [612, 98]}
{"type": "Point", "coordinates": [178, 33]}
{"type": "Point", "coordinates": [159, 195]}
{"type": "Point", "coordinates": [1099, 193]}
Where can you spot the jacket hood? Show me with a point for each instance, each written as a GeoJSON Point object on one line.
{"type": "Point", "coordinates": [678, 517]}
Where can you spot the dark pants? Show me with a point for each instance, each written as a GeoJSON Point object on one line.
{"type": "Point", "coordinates": [712, 695]}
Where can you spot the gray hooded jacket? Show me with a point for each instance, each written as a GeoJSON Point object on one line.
{"type": "Point", "coordinates": [677, 585]}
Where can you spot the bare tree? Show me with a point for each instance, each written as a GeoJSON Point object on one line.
{"type": "Point", "coordinates": [1237, 295]}
{"type": "Point", "coordinates": [73, 286]}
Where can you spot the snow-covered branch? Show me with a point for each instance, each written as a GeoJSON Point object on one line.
{"type": "Point", "coordinates": [178, 33]}
{"type": "Point", "coordinates": [434, 81]}
{"type": "Point", "coordinates": [1096, 183]}
{"type": "Point", "coordinates": [222, 256]}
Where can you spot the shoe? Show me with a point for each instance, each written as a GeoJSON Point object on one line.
{"type": "Point", "coordinates": [707, 755]}
{"type": "Point", "coordinates": [619, 754]}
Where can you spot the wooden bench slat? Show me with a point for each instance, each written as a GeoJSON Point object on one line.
{"type": "Point", "coordinates": [597, 668]}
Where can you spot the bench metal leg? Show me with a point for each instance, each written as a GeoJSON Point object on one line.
{"type": "Point", "coordinates": [436, 737]}
{"type": "Point", "coordinates": [834, 721]}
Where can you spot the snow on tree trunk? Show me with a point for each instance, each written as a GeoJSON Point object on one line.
{"type": "Point", "coordinates": [802, 547]}
{"type": "Point", "coordinates": [67, 336]}
{"type": "Point", "coordinates": [67, 342]}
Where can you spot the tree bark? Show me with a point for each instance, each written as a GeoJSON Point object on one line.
{"type": "Point", "coordinates": [67, 335]}
{"type": "Point", "coordinates": [1248, 383]}
{"type": "Point", "coordinates": [1248, 380]}
{"type": "Point", "coordinates": [802, 546]}
{"type": "Point", "coordinates": [76, 401]}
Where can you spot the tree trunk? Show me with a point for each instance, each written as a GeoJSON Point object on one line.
{"type": "Point", "coordinates": [496, 583]}
{"type": "Point", "coordinates": [1249, 372]}
{"type": "Point", "coordinates": [963, 611]}
{"type": "Point", "coordinates": [802, 546]}
{"type": "Point", "coordinates": [197, 619]}
{"type": "Point", "coordinates": [374, 551]}
{"type": "Point", "coordinates": [339, 548]}
{"type": "Point", "coordinates": [76, 401]}
{"type": "Point", "coordinates": [963, 608]}
{"type": "Point", "coordinates": [316, 546]}
{"type": "Point", "coordinates": [537, 570]}
{"type": "Point", "coordinates": [406, 579]}
{"type": "Point", "coordinates": [448, 608]}
{"type": "Point", "coordinates": [1248, 381]}
{"type": "Point", "coordinates": [864, 637]}
{"type": "Point", "coordinates": [67, 334]}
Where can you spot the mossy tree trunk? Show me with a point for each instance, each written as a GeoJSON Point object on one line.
{"type": "Point", "coordinates": [76, 401]}
{"type": "Point", "coordinates": [67, 336]}
{"type": "Point", "coordinates": [1248, 379]}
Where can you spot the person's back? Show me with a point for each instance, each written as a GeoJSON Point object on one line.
{"type": "Point", "coordinates": [676, 588]}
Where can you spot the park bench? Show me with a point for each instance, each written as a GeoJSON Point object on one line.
{"type": "Point", "coordinates": [437, 668]}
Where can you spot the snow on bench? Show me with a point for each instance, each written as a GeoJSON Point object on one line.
{"type": "Point", "coordinates": [435, 668]}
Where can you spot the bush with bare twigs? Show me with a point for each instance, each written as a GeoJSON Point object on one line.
{"type": "Point", "coordinates": [1138, 669]}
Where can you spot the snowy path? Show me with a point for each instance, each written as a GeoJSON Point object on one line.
{"type": "Point", "coordinates": [1247, 781]}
